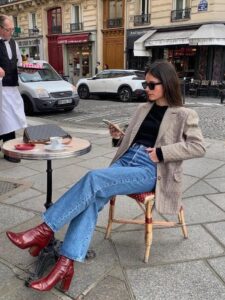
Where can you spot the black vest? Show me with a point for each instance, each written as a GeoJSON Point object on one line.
{"type": "Point", "coordinates": [9, 65]}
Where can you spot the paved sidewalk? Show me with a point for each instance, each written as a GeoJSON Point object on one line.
{"type": "Point", "coordinates": [177, 268]}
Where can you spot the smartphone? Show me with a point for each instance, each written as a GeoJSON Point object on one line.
{"type": "Point", "coordinates": [109, 123]}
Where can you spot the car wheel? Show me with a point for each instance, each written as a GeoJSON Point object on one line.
{"type": "Point", "coordinates": [83, 92]}
{"type": "Point", "coordinates": [28, 107]}
{"type": "Point", "coordinates": [125, 94]}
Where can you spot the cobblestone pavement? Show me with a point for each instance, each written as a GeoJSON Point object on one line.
{"type": "Point", "coordinates": [212, 121]}
{"type": "Point", "coordinates": [89, 114]}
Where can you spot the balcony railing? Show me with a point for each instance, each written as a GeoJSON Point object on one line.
{"type": "Point", "coordinates": [33, 32]}
{"type": "Point", "coordinates": [76, 26]}
{"type": "Point", "coordinates": [2, 2]}
{"type": "Point", "coordinates": [115, 23]}
{"type": "Point", "coordinates": [143, 19]}
{"type": "Point", "coordinates": [55, 29]}
{"type": "Point", "coordinates": [180, 14]}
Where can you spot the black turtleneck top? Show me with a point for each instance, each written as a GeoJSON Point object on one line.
{"type": "Point", "coordinates": [149, 129]}
{"type": "Point", "coordinates": [148, 132]}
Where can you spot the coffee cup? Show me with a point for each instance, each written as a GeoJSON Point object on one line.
{"type": "Point", "coordinates": [55, 142]}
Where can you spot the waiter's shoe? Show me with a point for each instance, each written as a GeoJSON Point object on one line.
{"type": "Point", "coordinates": [12, 159]}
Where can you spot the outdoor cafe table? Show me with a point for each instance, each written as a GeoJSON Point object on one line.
{"type": "Point", "coordinates": [76, 147]}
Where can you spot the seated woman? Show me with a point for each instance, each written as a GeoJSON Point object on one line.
{"type": "Point", "coordinates": [161, 134]}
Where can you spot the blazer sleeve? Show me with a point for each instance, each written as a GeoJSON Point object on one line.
{"type": "Point", "coordinates": [190, 144]}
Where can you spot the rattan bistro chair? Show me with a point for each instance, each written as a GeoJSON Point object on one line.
{"type": "Point", "coordinates": [146, 202]}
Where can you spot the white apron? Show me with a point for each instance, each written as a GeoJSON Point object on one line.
{"type": "Point", "coordinates": [12, 116]}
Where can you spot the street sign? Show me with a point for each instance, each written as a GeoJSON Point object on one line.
{"type": "Point", "coordinates": [203, 5]}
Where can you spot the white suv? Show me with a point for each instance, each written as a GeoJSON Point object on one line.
{"type": "Point", "coordinates": [127, 84]}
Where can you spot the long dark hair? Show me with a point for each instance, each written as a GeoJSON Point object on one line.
{"type": "Point", "coordinates": [166, 73]}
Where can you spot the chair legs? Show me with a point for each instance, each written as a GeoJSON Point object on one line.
{"type": "Point", "coordinates": [148, 229]}
{"type": "Point", "coordinates": [182, 222]}
{"type": "Point", "coordinates": [111, 217]}
{"type": "Point", "coordinates": [148, 222]}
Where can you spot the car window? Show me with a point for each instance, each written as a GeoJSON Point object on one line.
{"type": "Point", "coordinates": [115, 74]}
{"type": "Point", "coordinates": [129, 73]}
{"type": "Point", "coordinates": [104, 74]}
{"type": "Point", "coordinates": [120, 73]}
{"type": "Point", "coordinates": [140, 74]}
{"type": "Point", "coordinates": [45, 74]}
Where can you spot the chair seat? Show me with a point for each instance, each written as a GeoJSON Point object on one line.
{"type": "Point", "coordinates": [143, 197]}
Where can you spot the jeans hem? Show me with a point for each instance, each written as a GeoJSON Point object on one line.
{"type": "Point", "coordinates": [75, 258]}
{"type": "Point", "coordinates": [52, 227]}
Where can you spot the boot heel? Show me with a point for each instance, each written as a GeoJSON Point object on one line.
{"type": "Point", "coordinates": [62, 272]}
{"type": "Point", "coordinates": [34, 250]}
{"type": "Point", "coordinates": [66, 281]}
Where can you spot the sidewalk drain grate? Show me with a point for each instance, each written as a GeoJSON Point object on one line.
{"type": "Point", "coordinates": [6, 186]}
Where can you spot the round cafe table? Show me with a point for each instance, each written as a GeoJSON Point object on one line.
{"type": "Point", "coordinates": [75, 147]}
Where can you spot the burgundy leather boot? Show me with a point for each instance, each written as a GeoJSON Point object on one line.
{"type": "Point", "coordinates": [62, 271]}
{"type": "Point", "coordinates": [35, 238]}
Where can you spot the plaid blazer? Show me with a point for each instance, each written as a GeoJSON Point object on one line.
{"type": "Point", "coordinates": [180, 138]}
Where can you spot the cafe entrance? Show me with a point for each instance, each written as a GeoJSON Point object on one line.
{"type": "Point", "coordinates": [80, 61]}
{"type": "Point", "coordinates": [184, 60]}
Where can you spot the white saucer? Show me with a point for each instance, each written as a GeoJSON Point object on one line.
{"type": "Point", "coordinates": [55, 149]}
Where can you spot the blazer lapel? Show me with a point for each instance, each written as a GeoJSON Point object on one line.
{"type": "Point", "coordinates": [166, 123]}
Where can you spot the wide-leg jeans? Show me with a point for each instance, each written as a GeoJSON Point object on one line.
{"type": "Point", "coordinates": [134, 172]}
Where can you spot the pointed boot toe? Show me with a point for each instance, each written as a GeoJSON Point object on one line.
{"type": "Point", "coordinates": [36, 238]}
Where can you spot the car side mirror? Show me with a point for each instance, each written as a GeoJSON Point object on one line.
{"type": "Point", "coordinates": [65, 77]}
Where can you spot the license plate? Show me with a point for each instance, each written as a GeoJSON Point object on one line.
{"type": "Point", "coordinates": [65, 101]}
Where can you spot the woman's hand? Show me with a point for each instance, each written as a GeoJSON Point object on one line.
{"type": "Point", "coordinates": [115, 134]}
{"type": "Point", "coordinates": [2, 73]}
{"type": "Point", "coordinates": [152, 154]}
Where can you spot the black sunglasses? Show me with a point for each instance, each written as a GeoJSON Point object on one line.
{"type": "Point", "coordinates": [151, 85]}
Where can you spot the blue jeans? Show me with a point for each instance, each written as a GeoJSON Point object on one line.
{"type": "Point", "coordinates": [134, 172]}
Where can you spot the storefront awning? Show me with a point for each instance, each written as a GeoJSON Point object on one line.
{"type": "Point", "coordinates": [179, 37]}
{"type": "Point", "coordinates": [73, 39]}
{"type": "Point", "coordinates": [209, 34]}
{"type": "Point", "coordinates": [139, 47]}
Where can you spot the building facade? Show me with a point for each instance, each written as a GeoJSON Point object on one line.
{"type": "Point", "coordinates": [74, 34]}
{"type": "Point", "coordinates": [61, 32]}
{"type": "Point", "coordinates": [190, 34]}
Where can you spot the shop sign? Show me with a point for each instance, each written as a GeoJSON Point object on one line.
{"type": "Point", "coordinates": [133, 35]}
{"type": "Point", "coordinates": [28, 43]}
{"type": "Point", "coordinates": [203, 5]}
{"type": "Point", "coordinates": [136, 33]}
{"type": "Point", "coordinates": [73, 39]}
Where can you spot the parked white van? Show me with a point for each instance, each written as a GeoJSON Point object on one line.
{"type": "Point", "coordinates": [44, 90]}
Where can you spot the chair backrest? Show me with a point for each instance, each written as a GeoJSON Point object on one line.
{"type": "Point", "coordinates": [194, 84]}
{"type": "Point", "coordinates": [214, 83]}
{"type": "Point", "coordinates": [196, 81]}
{"type": "Point", "coordinates": [205, 83]}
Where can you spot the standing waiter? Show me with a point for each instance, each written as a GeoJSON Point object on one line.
{"type": "Point", "coordinates": [12, 116]}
